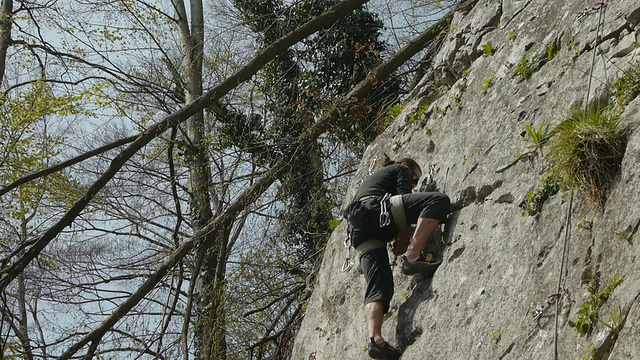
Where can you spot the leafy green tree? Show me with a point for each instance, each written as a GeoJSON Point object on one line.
{"type": "Point", "coordinates": [29, 142]}
{"type": "Point", "coordinates": [297, 87]}
{"type": "Point", "coordinates": [302, 82]}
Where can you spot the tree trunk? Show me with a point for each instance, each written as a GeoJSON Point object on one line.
{"type": "Point", "coordinates": [6, 18]}
{"type": "Point", "coordinates": [209, 315]}
{"type": "Point", "coordinates": [22, 331]}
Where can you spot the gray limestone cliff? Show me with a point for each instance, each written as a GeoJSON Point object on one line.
{"type": "Point", "coordinates": [503, 65]}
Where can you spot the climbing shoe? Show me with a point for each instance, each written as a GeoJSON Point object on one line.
{"type": "Point", "coordinates": [420, 266]}
{"type": "Point", "coordinates": [383, 351]}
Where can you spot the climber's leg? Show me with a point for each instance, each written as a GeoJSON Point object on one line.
{"type": "Point", "coordinates": [427, 211]}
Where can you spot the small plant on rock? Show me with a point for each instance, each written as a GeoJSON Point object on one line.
{"type": "Point", "coordinates": [627, 87]}
{"type": "Point", "coordinates": [488, 83]}
{"type": "Point", "coordinates": [518, 156]}
{"type": "Point", "coordinates": [524, 68]}
{"type": "Point", "coordinates": [576, 55]}
{"type": "Point", "coordinates": [392, 114]}
{"type": "Point", "coordinates": [624, 235]}
{"type": "Point", "coordinates": [535, 199]}
{"type": "Point", "coordinates": [395, 110]}
{"type": "Point", "coordinates": [617, 320]}
{"type": "Point", "coordinates": [586, 151]}
{"type": "Point", "coordinates": [585, 224]}
{"type": "Point", "coordinates": [423, 110]}
{"type": "Point", "coordinates": [416, 118]}
{"type": "Point", "coordinates": [538, 137]}
{"type": "Point", "coordinates": [552, 51]}
{"type": "Point", "coordinates": [488, 49]}
{"type": "Point", "coordinates": [591, 352]}
{"type": "Point", "coordinates": [459, 90]}
{"type": "Point", "coordinates": [495, 336]}
{"type": "Point", "coordinates": [588, 313]}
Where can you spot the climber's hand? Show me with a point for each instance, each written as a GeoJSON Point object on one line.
{"type": "Point", "coordinates": [401, 242]}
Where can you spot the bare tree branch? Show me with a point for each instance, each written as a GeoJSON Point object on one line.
{"type": "Point", "coordinates": [283, 296]}
{"type": "Point", "coordinates": [48, 171]}
{"type": "Point", "coordinates": [242, 75]}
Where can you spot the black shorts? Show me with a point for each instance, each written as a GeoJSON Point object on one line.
{"type": "Point", "coordinates": [432, 205]}
{"type": "Point", "coordinates": [379, 277]}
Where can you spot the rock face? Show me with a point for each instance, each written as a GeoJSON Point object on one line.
{"type": "Point", "coordinates": [493, 296]}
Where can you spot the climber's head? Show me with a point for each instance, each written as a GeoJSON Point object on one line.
{"type": "Point", "coordinates": [416, 171]}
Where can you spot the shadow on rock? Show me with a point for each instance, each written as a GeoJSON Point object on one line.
{"type": "Point", "coordinates": [407, 332]}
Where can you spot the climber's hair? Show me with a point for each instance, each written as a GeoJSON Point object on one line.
{"type": "Point", "coordinates": [413, 165]}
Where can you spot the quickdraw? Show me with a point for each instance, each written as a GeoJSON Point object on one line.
{"type": "Point", "coordinates": [385, 218]}
{"type": "Point", "coordinates": [595, 8]}
{"type": "Point", "coordinates": [430, 183]}
{"type": "Point", "coordinates": [551, 299]}
{"type": "Point", "coordinates": [348, 263]}
{"type": "Point", "coordinates": [372, 164]}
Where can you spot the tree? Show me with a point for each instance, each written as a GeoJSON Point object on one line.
{"type": "Point", "coordinates": [29, 143]}
{"type": "Point", "coordinates": [297, 86]}
{"type": "Point", "coordinates": [125, 242]}
{"type": "Point", "coordinates": [17, 263]}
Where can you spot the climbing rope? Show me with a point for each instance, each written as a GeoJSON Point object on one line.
{"type": "Point", "coordinates": [600, 8]}
{"type": "Point", "coordinates": [563, 267]}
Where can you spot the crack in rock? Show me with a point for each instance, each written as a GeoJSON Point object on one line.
{"type": "Point", "coordinates": [456, 254]}
{"type": "Point", "coordinates": [487, 190]}
{"type": "Point", "coordinates": [507, 351]}
{"type": "Point", "coordinates": [604, 350]}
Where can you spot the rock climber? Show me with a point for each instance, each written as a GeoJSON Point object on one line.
{"type": "Point", "coordinates": [383, 211]}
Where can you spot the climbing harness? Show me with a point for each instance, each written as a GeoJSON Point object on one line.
{"type": "Point", "coordinates": [390, 207]}
{"type": "Point", "coordinates": [397, 212]}
{"type": "Point", "coordinates": [370, 245]}
{"type": "Point", "coordinates": [594, 9]}
{"type": "Point", "coordinates": [312, 356]}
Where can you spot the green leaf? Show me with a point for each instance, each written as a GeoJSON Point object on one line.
{"type": "Point", "coordinates": [488, 49]}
